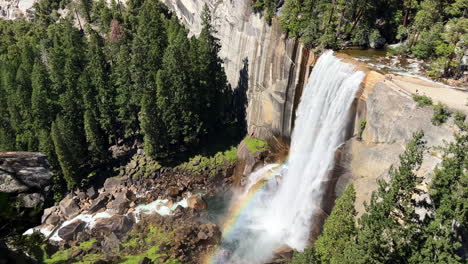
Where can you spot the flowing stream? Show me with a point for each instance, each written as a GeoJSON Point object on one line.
{"type": "Point", "coordinates": [277, 206]}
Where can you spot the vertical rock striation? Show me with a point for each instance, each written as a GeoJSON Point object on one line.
{"type": "Point", "coordinates": [258, 59]}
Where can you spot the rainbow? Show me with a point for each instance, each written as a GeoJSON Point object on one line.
{"type": "Point", "coordinates": [239, 206]}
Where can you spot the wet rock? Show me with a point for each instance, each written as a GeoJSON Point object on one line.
{"type": "Point", "coordinates": [51, 216]}
{"type": "Point", "coordinates": [117, 224]}
{"type": "Point", "coordinates": [98, 203]}
{"type": "Point", "coordinates": [68, 207]}
{"type": "Point", "coordinates": [284, 252]}
{"type": "Point", "coordinates": [196, 202]}
{"type": "Point", "coordinates": [69, 232]}
{"type": "Point", "coordinates": [120, 204]}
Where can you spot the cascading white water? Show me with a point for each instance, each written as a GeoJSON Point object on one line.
{"type": "Point", "coordinates": [280, 213]}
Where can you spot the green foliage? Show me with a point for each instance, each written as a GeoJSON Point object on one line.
{"type": "Point", "coordinates": [441, 114]}
{"type": "Point", "coordinates": [72, 93]}
{"type": "Point", "coordinates": [267, 6]}
{"type": "Point", "coordinates": [390, 231]}
{"type": "Point", "coordinates": [426, 29]}
{"type": "Point", "coordinates": [422, 100]}
{"type": "Point", "coordinates": [308, 256]}
{"type": "Point", "coordinates": [459, 116]}
{"type": "Point", "coordinates": [339, 230]}
{"type": "Point", "coordinates": [213, 164]}
{"type": "Point", "coordinates": [362, 126]}
{"type": "Point", "coordinates": [255, 145]}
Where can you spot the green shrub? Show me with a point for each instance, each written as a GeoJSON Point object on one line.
{"type": "Point", "coordinates": [210, 165]}
{"type": "Point", "coordinates": [441, 114]}
{"type": "Point", "coordinates": [255, 145]}
{"type": "Point", "coordinates": [422, 100]}
{"type": "Point", "coordinates": [460, 116]}
{"type": "Point", "coordinates": [361, 128]}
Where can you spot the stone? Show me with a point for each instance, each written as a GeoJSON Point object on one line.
{"type": "Point", "coordinates": [92, 193]}
{"type": "Point", "coordinates": [23, 171]}
{"type": "Point", "coordinates": [51, 216]}
{"type": "Point", "coordinates": [173, 191]}
{"type": "Point", "coordinates": [30, 200]}
{"type": "Point", "coordinates": [113, 183]}
{"type": "Point", "coordinates": [70, 231]}
{"type": "Point", "coordinates": [118, 224]}
{"type": "Point", "coordinates": [133, 164]}
{"type": "Point", "coordinates": [98, 203]}
{"type": "Point", "coordinates": [68, 207]}
{"type": "Point", "coordinates": [202, 235]}
{"type": "Point", "coordinates": [81, 195]}
{"type": "Point", "coordinates": [196, 202]}
{"type": "Point", "coordinates": [120, 204]}
{"type": "Point", "coordinates": [111, 242]}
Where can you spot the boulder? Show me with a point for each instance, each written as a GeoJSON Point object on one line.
{"type": "Point", "coordinates": [81, 195]}
{"type": "Point", "coordinates": [69, 207]}
{"type": "Point", "coordinates": [117, 224]}
{"type": "Point", "coordinates": [120, 204]}
{"type": "Point", "coordinates": [112, 183]}
{"type": "Point", "coordinates": [173, 191]}
{"type": "Point", "coordinates": [111, 242]}
{"type": "Point", "coordinates": [51, 216]}
{"type": "Point", "coordinates": [98, 203]}
{"type": "Point", "coordinates": [24, 171]}
{"type": "Point", "coordinates": [251, 159]}
{"type": "Point", "coordinates": [196, 202]}
{"type": "Point", "coordinates": [70, 231]}
{"type": "Point", "coordinates": [30, 200]}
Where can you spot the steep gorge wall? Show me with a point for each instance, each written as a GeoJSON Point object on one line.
{"type": "Point", "coordinates": [258, 59]}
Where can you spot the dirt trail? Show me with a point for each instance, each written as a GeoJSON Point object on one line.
{"type": "Point", "coordinates": [453, 98]}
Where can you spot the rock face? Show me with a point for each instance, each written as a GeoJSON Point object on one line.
{"type": "Point", "coordinates": [392, 117]}
{"type": "Point", "coordinates": [23, 171]}
{"type": "Point", "coordinates": [12, 9]}
{"type": "Point", "coordinates": [259, 60]}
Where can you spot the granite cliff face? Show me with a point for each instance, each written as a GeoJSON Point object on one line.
{"type": "Point", "coordinates": [258, 59]}
{"type": "Point", "coordinates": [25, 176]}
{"type": "Point", "coordinates": [392, 117]}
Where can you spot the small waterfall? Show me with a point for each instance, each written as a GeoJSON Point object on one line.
{"type": "Point", "coordinates": [278, 211]}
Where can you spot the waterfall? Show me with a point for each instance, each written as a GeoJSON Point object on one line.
{"type": "Point", "coordinates": [278, 211]}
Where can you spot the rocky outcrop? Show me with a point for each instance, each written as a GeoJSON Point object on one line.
{"type": "Point", "coordinates": [391, 118]}
{"type": "Point", "coordinates": [25, 177]}
{"type": "Point", "coordinates": [12, 9]}
{"type": "Point", "coordinates": [258, 58]}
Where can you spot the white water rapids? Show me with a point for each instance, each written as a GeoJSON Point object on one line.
{"type": "Point", "coordinates": [281, 212]}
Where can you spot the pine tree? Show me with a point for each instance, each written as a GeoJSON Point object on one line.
{"type": "Point", "coordinates": [68, 160]}
{"type": "Point", "coordinates": [389, 226]}
{"type": "Point", "coordinates": [213, 89]}
{"type": "Point", "coordinates": [175, 97]}
{"type": "Point", "coordinates": [41, 109]}
{"type": "Point", "coordinates": [99, 70]}
{"type": "Point", "coordinates": [127, 101]}
{"type": "Point", "coordinates": [335, 244]}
